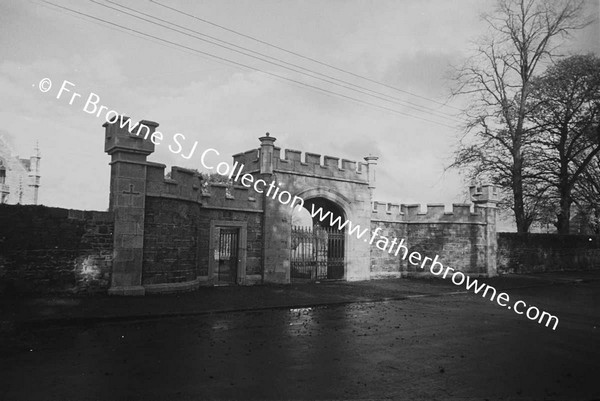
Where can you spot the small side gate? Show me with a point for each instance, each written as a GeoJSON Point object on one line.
{"type": "Point", "coordinates": [227, 255]}
{"type": "Point", "coordinates": [317, 253]}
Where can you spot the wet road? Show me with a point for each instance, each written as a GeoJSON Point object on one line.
{"type": "Point", "coordinates": [450, 347]}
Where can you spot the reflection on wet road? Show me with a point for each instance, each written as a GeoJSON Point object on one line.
{"type": "Point", "coordinates": [458, 346]}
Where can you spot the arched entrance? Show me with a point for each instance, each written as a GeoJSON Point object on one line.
{"type": "Point", "coordinates": [318, 245]}
{"type": "Point", "coordinates": [339, 186]}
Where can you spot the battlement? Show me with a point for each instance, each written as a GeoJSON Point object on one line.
{"type": "Point", "coordinates": [386, 211]}
{"type": "Point", "coordinates": [250, 159]}
{"type": "Point", "coordinates": [182, 183]}
{"type": "Point", "coordinates": [226, 196]}
{"type": "Point", "coordinates": [315, 164]}
{"type": "Point", "coordinates": [188, 185]}
{"type": "Point", "coordinates": [433, 213]}
{"type": "Point", "coordinates": [307, 163]}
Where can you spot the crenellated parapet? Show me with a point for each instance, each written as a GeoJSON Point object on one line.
{"type": "Point", "coordinates": [312, 164]}
{"type": "Point", "coordinates": [386, 211]}
{"type": "Point", "coordinates": [217, 195]}
{"type": "Point", "coordinates": [432, 213]}
{"type": "Point", "coordinates": [250, 159]}
{"type": "Point", "coordinates": [315, 164]}
{"type": "Point", "coordinates": [188, 185]}
{"type": "Point", "coordinates": [181, 183]}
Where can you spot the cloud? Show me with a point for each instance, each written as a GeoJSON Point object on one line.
{"type": "Point", "coordinates": [403, 44]}
{"type": "Point", "coordinates": [424, 73]}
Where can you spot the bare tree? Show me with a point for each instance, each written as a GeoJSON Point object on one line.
{"type": "Point", "coordinates": [565, 104]}
{"type": "Point", "coordinates": [523, 35]}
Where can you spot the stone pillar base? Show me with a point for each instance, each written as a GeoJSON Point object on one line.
{"type": "Point", "coordinates": [360, 277]}
{"type": "Point", "coordinates": [137, 290]}
{"type": "Point", "coordinates": [169, 288]}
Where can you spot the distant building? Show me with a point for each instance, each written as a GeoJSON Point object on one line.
{"type": "Point", "coordinates": [19, 178]}
{"type": "Point", "coordinates": [585, 220]}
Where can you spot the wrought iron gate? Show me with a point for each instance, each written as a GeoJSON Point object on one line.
{"type": "Point", "coordinates": [335, 254]}
{"type": "Point", "coordinates": [228, 255]}
{"type": "Point", "coordinates": [317, 253]}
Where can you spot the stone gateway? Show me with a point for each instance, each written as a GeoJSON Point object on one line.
{"type": "Point", "coordinates": [176, 232]}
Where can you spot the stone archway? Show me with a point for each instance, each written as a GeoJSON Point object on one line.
{"type": "Point", "coordinates": [343, 186]}
{"type": "Point", "coordinates": [318, 247]}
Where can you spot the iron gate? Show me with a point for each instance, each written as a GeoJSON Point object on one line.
{"type": "Point", "coordinates": [317, 253]}
{"type": "Point", "coordinates": [228, 255]}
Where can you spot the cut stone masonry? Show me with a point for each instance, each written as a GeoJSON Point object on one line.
{"type": "Point", "coordinates": [166, 230]}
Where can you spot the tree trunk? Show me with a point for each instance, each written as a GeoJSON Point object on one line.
{"type": "Point", "coordinates": [519, 207]}
{"type": "Point", "coordinates": [563, 219]}
{"type": "Point", "coordinates": [563, 223]}
{"type": "Point", "coordinates": [517, 176]}
{"type": "Point", "coordinates": [564, 215]}
{"type": "Point", "coordinates": [519, 204]}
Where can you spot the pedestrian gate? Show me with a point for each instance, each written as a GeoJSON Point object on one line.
{"type": "Point", "coordinates": [227, 255]}
{"type": "Point", "coordinates": [317, 253]}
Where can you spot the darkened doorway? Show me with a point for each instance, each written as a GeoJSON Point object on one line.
{"type": "Point", "coordinates": [228, 256]}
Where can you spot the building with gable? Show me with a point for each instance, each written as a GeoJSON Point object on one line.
{"type": "Point", "coordinates": [19, 178]}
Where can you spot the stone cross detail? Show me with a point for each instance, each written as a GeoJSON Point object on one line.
{"type": "Point", "coordinates": [131, 194]}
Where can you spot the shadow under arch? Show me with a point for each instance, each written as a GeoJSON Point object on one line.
{"type": "Point", "coordinates": [327, 193]}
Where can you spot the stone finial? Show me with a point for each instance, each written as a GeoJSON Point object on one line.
{"type": "Point", "coordinates": [122, 135]}
{"type": "Point", "coordinates": [484, 193]}
{"type": "Point", "coordinates": [267, 139]}
{"type": "Point", "coordinates": [267, 145]}
{"type": "Point", "coordinates": [371, 164]}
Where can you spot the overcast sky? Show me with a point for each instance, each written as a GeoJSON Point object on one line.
{"type": "Point", "coordinates": [405, 44]}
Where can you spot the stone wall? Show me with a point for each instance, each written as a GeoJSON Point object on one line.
{"type": "Point", "coordinates": [52, 250]}
{"type": "Point", "coordinates": [460, 238]}
{"type": "Point", "coordinates": [179, 217]}
{"type": "Point", "coordinates": [177, 241]}
{"type": "Point", "coordinates": [383, 263]}
{"type": "Point", "coordinates": [166, 224]}
{"type": "Point", "coordinates": [171, 241]}
{"type": "Point", "coordinates": [532, 253]}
